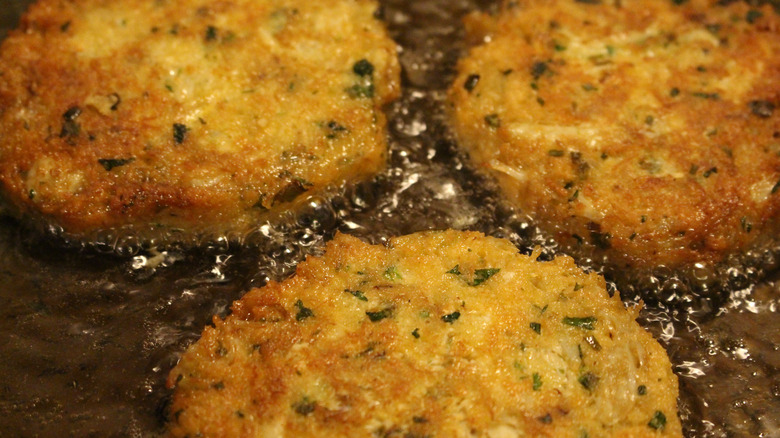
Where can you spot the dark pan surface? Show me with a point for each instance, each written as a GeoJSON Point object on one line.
{"type": "Point", "coordinates": [88, 338]}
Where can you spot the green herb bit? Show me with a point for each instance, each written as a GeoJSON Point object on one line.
{"type": "Point", "coordinates": [304, 406]}
{"type": "Point", "coordinates": [481, 275]}
{"type": "Point", "coordinates": [493, 121]}
{"type": "Point", "coordinates": [179, 132]}
{"type": "Point", "coordinates": [694, 168]}
{"type": "Point", "coordinates": [540, 101]}
{"type": "Point", "coordinates": [641, 390]}
{"type": "Point", "coordinates": [455, 270]}
{"type": "Point", "coordinates": [303, 311]}
{"type": "Point", "coordinates": [558, 47]}
{"type": "Point", "coordinates": [555, 153]}
{"type": "Point", "coordinates": [357, 294]}
{"type": "Point", "coordinates": [416, 333]}
{"type": "Point", "coordinates": [361, 91]}
{"type": "Point", "coordinates": [333, 129]}
{"type": "Point", "coordinates": [632, 236]}
{"type": "Point", "coordinates": [711, 96]}
{"type": "Point", "coordinates": [658, 421]}
{"type": "Point", "coordinates": [451, 318]}
{"type": "Point", "coordinates": [762, 108]}
{"type": "Point", "coordinates": [589, 87]}
{"type": "Point", "coordinates": [537, 381]}
{"type": "Point", "coordinates": [211, 33]}
{"type": "Point", "coordinates": [380, 315]}
{"type": "Point", "coordinates": [547, 418]}
{"type": "Point", "coordinates": [110, 163]}
{"type": "Point", "coordinates": [775, 188]}
{"type": "Point", "coordinates": [541, 309]}
{"type": "Point", "coordinates": [709, 172]}
{"type": "Point", "coordinates": [31, 194]}
{"type": "Point", "coordinates": [574, 196]}
{"type": "Point", "coordinates": [538, 69]}
{"type": "Point", "coordinates": [392, 274]}
{"type": "Point", "coordinates": [588, 380]}
{"type": "Point", "coordinates": [674, 92]}
{"type": "Point", "coordinates": [535, 326]}
{"type": "Point", "coordinates": [218, 386]}
{"type": "Point", "coordinates": [586, 323]}
{"type": "Point", "coordinates": [363, 68]}
{"type": "Point", "coordinates": [753, 15]}
{"type": "Point", "coordinates": [471, 82]}
{"type": "Point", "coordinates": [577, 287]}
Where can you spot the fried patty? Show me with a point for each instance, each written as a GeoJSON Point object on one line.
{"type": "Point", "coordinates": [644, 130]}
{"type": "Point", "coordinates": [447, 334]}
{"type": "Point", "coordinates": [194, 115]}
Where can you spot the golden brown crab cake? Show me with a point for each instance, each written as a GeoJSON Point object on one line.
{"type": "Point", "coordinates": [199, 115]}
{"type": "Point", "coordinates": [644, 130]}
{"type": "Point", "coordinates": [448, 334]}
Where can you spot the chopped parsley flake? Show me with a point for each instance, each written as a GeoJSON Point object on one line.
{"type": "Point", "coordinates": [547, 418]}
{"type": "Point", "coordinates": [493, 121]}
{"type": "Point", "coordinates": [641, 390]}
{"type": "Point", "coordinates": [753, 15]}
{"type": "Point", "coordinates": [658, 421]}
{"type": "Point", "coordinates": [451, 318]}
{"type": "Point", "coordinates": [211, 33]}
{"type": "Point", "coordinates": [357, 294]}
{"type": "Point", "coordinates": [304, 407]}
{"type": "Point", "coordinates": [455, 270]}
{"type": "Point", "coordinates": [555, 153]}
{"type": "Point", "coordinates": [588, 380]}
{"type": "Point", "coordinates": [481, 275]}
{"type": "Point", "coordinates": [471, 82]}
{"type": "Point", "coordinates": [363, 68]}
{"type": "Point", "coordinates": [586, 323]}
{"type": "Point", "coordinates": [535, 326]}
{"type": "Point", "coordinates": [712, 96]}
{"type": "Point", "coordinates": [537, 381]}
{"type": "Point", "coordinates": [303, 311]}
{"type": "Point", "coordinates": [416, 333]}
{"type": "Point", "coordinates": [392, 274]}
{"type": "Point", "coordinates": [538, 69]}
{"type": "Point", "coordinates": [762, 108]}
{"type": "Point", "coordinates": [380, 315]}
{"type": "Point", "coordinates": [359, 91]}
{"type": "Point", "coordinates": [179, 132]}
{"type": "Point", "coordinates": [110, 163]}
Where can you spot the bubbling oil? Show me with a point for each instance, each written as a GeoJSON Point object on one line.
{"type": "Point", "coordinates": [91, 330]}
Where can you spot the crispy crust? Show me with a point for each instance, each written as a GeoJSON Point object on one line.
{"type": "Point", "coordinates": [436, 334]}
{"type": "Point", "coordinates": [188, 114]}
{"type": "Point", "coordinates": [642, 130]}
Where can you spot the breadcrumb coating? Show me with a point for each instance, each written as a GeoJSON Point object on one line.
{"type": "Point", "coordinates": [448, 334]}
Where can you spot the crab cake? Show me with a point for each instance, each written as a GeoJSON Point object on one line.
{"type": "Point", "coordinates": [448, 334]}
{"type": "Point", "coordinates": [646, 131]}
{"type": "Point", "coordinates": [193, 115]}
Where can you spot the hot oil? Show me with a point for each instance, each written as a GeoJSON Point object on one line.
{"type": "Point", "coordinates": [89, 337]}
